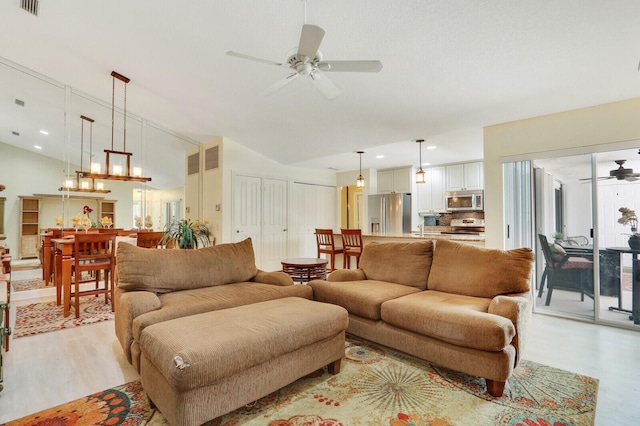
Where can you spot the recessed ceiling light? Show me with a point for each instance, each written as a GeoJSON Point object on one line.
{"type": "Point", "coordinates": [431, 147]}
{"type": "Point", "coordinates": [44, 132]}
{"type": "Point", "coordinates": [426, 164]}
{"type": "Point", "coordinates": [37, 147]}
{"type": "Point", "coordinates": [379, 156]}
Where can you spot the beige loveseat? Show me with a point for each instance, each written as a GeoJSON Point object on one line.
{"type": "Point", "coordinates": [160, 285]}
{"type": "Point", "coordinates": [459, 306]}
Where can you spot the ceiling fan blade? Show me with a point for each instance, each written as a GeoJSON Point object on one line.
{"type": "Point", "coordinates": [279, 84]}
{"type": "Point", "coordinates": [631, 178]}
{"type": "Point", "coordinates": [324, 85]}
{"type": "Point", "coordinates": [350, 66]}
{"type": "Point", "coordinates": [310, 40]}
{"type": "Point", "coordinates": [253, 58]}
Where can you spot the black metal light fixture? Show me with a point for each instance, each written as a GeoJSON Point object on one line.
{"type": "Point", "coordinates": [420, 175]}
{"type": "Point", "coordinates": [360, 180]}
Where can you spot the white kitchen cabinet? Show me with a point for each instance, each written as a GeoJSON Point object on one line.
{"type": "Point", "coordinates": [394, 180]}
{"type": "Point", "coordinates": [467, 176]}
{"type": "Point", "coordinates": [431, 194]}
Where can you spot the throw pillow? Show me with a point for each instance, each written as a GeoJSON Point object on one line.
{"type": "Point", "coordinates": [476, 271]}
{"type": "Point", "coordinates": [162, 271]}
{"type": "Point", "coordinates": [401, 263]}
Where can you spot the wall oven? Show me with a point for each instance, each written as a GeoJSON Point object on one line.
{"type": "Point", "coordinates": [465, 201]}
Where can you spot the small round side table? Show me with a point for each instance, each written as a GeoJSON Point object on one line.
{"type": "Point", "coordinates": [305, 269]}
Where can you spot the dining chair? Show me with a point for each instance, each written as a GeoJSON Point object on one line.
{"type": "Point", "coordinates": [150, 239]}
{"type": "Point", "coordinates": [94, 252]}
{"type": "Point", "coordinates": [565, 271]}
{"type": "Point", "coordinates": [352, 246]}
{"type": "Point", "coordinates": [326, 244]}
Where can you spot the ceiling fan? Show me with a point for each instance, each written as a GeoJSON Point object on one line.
{"type": "Point", "coordinates": [620, 173]}
{"type": "Point", "coordinates": [307, 60]}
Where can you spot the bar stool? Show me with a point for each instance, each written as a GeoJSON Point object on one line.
{"type": "Point", "coordinates": [352, 245]}
{"type": "Point", "coordinates": [326, 244]}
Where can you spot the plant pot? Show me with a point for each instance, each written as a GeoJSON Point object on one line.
{"type": "Point", "coordinates": [634, 242]}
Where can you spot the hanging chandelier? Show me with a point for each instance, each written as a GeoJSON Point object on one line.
{"type": "Point", "coordinates": [117, 173]}
{"type": "Point", "coordinates": [84, 185]}
{"type": "Point", "coordinates": [420, 175]}
{"type": "Point", "coordinates": [360, 180]}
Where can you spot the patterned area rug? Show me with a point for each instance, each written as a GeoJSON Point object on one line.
{"type": "Point", "coordinates": [30, 284]}
{"type": "Point", "coordinates": [44, 317]}
{"type": "Point", "coordinates": [376, 387]}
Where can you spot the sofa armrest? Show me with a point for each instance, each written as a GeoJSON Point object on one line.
{"type": "Point", "coordinates": [517, 308]}
{"type": "Point", "coordinates": [275, 278]}
{"type": "Point", "coordinates": [346, 275]}
{"type": "Point", "coordinates": [129, 306]}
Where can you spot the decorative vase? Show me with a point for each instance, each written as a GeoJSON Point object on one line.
{"type": "Point", "coordinates": [634, 242]}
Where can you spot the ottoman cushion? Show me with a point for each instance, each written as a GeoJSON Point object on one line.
{"type": "Point", "coordinates": [218, 344]}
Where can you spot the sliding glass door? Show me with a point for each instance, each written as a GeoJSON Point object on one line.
{"type": "Point", "coordinates": [584, 264]}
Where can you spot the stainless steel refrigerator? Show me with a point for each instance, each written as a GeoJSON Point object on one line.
{"type": "Point", "coordinates": [390, 214]}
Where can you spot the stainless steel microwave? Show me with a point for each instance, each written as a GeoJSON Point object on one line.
{"type": "Point", "coordinates": [465, 201]}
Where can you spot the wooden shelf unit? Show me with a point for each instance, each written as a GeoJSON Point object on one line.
{"type": "Point", "coordinates": [107, 208]}
{"type": "Point", "coordinates": [29, 227]}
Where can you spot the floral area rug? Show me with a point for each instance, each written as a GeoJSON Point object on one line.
{"type": "Point", "coordinates": [44, 317]}
{"type": "Point", "coordinates": [30, 284]}
{"type": "Point", "coordinates": [376, 387]}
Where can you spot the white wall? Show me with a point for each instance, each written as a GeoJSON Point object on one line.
{"type": "Point", "coordinates": [26, 173]}
{"type": "Point", "coordinates": [236, 158]}
{"type": "Point", "coordinates": [602, 127]}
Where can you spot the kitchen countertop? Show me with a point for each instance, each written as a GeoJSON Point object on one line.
{"type": "Point", "coordinates": [429, 235]}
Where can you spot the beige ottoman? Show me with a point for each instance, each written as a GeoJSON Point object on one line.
{"type": "Point", "coordinates": [200, 367]}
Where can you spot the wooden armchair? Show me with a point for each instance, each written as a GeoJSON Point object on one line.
{"type": "Point", "coordinates": [326, 245]}
{"type": "Point", "coordinates": [150, 239]}
{"type": "Point", "coordinates": [94, 252]}
{"type": "Point", "coordinates": [352, 245]}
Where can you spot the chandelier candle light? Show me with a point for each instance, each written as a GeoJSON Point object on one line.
{"type": "Point", "coordinates": [84, 185]}
{"type": "Point", "coordinates": [117, 172]}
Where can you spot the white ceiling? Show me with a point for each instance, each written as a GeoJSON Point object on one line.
{"type": "Point", "coordinates": [450, 67]}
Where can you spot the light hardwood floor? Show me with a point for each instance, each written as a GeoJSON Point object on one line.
{"type": "Point", "coordinates": [52, 368]}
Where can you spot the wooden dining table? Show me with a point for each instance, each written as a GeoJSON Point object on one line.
{"type": "Point", "coordinates": [63, 266]}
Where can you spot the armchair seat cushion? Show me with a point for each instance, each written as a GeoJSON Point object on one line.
{"type": "Point", "coordinates": [361, 298]}
{"type": "Point", "coordinates": [577, 263]}
{"type": "Point", "coordinates": [457, 319]}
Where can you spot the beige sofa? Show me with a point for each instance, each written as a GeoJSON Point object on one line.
{"type": "Point", "coordinates": [459, 306]}
{"type": "Point", "coordinates": [154, 286]}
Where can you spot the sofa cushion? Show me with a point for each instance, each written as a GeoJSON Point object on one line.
{"type": "Point", "coordinates": [361, 298]}
{"type": "Point", "coordinates": [162, 271]}
{"type": "Point", "coordinates": [476, 271]}
{"type": "Point", "coordinates": [401, 263]}
{"type": "Point", "coordinates": [184, 303]}
{"type": "Point", "coordinates": [452, 318]}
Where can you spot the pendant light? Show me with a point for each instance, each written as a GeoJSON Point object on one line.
{"type": "Point", "coordinates": [117, 173]}
{"type": "Point", "coordinates": [420, 175]}
{"type": "Point", "coordinates": [360, 180]}
{"type": "Point", "coordinates": [84, 185]}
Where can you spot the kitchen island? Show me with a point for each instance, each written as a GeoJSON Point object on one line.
{"type": "Point", "coordinates": [477, 240]}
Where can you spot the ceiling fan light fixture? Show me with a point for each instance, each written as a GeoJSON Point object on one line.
{"type": "Point", "coordinates": [360, 180]}
{"type": "Point", "coordinates": [420, 174]}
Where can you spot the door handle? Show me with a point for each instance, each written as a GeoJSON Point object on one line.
{"type": "Point", "coordinates": [284, 230]}
{"type": "Point", "coordinates": [237, 231]}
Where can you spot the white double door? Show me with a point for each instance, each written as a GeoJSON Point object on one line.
{"type": "Point", "coordinates": [260, 212]}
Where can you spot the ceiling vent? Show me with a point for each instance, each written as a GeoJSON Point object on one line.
{"type": "Point", "coordinates": [19, 102]}
{"type": "Point", "coordinates": [30, 6]}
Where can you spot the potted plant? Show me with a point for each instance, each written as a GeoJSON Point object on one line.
{"type": "Point", "coordinates": [558, 237]}
{"type": "Point", "coordinates": [629, 218]}
{"type": "Point", "coordinates": [185, 234]}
